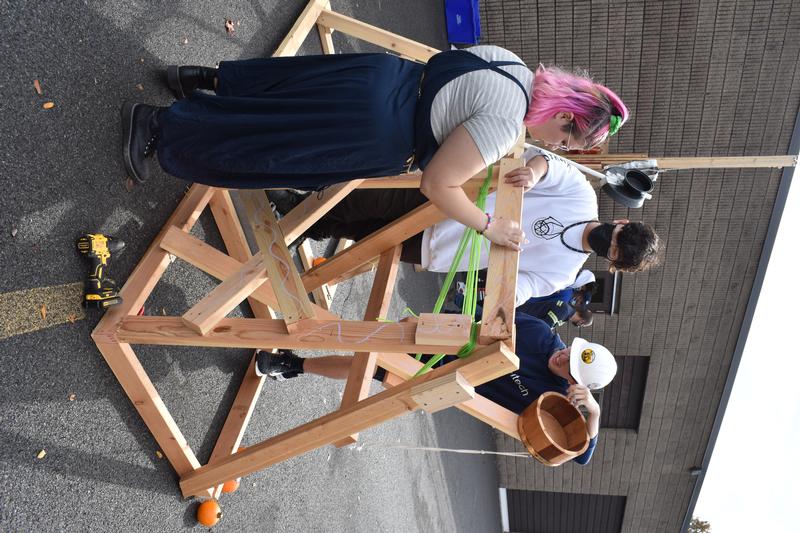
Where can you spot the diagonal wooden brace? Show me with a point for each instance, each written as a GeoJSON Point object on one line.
{"type": "Point", "coordinates": [483, 365]}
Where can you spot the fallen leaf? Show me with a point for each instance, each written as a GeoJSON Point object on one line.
{"type": "Point", "coordinates": [163, 311]}
{"type": "Point", "coordinates": [229, 26]}
{"type": "Point", "coordinates": [129, 184]}
{"type": "Point", "coordinates": [72, 397]}
{"type": "Point", "coordinates": [140, 87]}
{"type": "Point", "coordinates": [37, 86]}
{"type": "Point", "coordinates": [48, 105]}
{"type": "Point", "coordinates": [159, 454]}
{"type": "Point", "coordinates": [41, 454]}
{"type": "Point", "coordinates": [43, 311]}
{"type": "Point", "coordinates": [13, 232]}
{"type": "Point", "coordinates": [71, 317]}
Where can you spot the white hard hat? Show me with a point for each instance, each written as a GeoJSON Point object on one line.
{"type": "Point", "coordinates": [591, 364]}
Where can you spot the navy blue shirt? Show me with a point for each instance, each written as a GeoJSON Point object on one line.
{"type": "Point", "coordinates": [554, 309]}
{"type": "Point", "coordinates": [536, 342]}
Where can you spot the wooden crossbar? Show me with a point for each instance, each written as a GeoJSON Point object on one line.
{"type": "Point", "coordinates": [363, 366]}
{"type": "Point", "coordinates": [484, 365]}
{"type": "Point", "coordinates": [344, 335]}
{"type": "Point", "coordinates": [292, 297]}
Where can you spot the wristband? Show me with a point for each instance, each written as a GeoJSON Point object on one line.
{"type": "Point", "coordinates": [488, 221]}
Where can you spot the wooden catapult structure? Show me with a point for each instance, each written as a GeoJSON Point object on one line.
{"type": "Point", "coordinates": [269, 281]}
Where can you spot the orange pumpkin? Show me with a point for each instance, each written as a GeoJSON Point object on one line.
{"type": "Point", "coordinates": [230, 486]}
{"type": "Point", "coordinates": [209, 513]}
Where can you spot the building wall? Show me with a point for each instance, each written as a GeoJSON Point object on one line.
{"type": "Point", "coordinates": [701, 79]}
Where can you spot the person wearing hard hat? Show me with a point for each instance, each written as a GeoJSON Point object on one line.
{"type": "Point", "coordinates": [545, 364]}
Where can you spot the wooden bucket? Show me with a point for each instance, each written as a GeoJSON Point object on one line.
{"type": "Point", "coordinates": [553, 430]}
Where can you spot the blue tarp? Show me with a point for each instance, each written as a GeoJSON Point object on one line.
{"type": "Point", "coordinates": [463, 21]}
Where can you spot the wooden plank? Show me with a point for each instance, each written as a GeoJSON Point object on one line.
{"type": "Point", "coordinates": [366, 249]}
{"type": "Point", "coordinates": [375, 35]}
{"type": "Point", "coordinates": [145, 397]}
{"type": "Point", "coordinates": [151, 267]}
{"type": "Point", "coordinates": [225, 297]}
{"type": "Point", "coordinates": [769, 161]}
{"type": "Point", "coordinates": [221, 266]}
{"type": "Point", "coordinates": [501, 277]}
{"type": "Point", "coordinates": [299, 31]}
{"type": "Point", "coordinates": [323, 296]}
{"type": "Point", "coordinates": [441, 328]}
{"type": "Point", "coordinates": [235, 241]}
{"type": "Point", "coordinates": [363, 366]}
{"type": "Point", "coordinates": [401, 367]}
{"type": "Point", "coordinates": [344, 335]}
{"type": "Point", "coordinates": [411, 181]}
{"type": "Point", "coordinates": [314, 207]}
{"type": "Point", "coordinates": [441, 393]}
{"type": "Point", "coordinates": [230, 437]}
{"type": "Point", "coordinates": [292, 297]}
{"type": "Point", "coordinates": [374, 410]}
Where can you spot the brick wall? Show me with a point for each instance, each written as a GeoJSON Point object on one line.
{"type": "Point", "coordinates": [700, 78]}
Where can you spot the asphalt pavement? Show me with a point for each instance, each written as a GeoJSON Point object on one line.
{"type": "Point", "coordinates": [63, 175]}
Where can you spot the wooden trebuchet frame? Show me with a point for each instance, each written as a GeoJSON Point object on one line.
{"type": "Point", "coordinates": [269, 281]}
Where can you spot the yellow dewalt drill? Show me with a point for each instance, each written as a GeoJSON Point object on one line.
{"type": "Point", "coordinates": [99, 291]}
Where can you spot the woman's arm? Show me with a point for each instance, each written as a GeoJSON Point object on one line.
{"type": "Point", "coordinates": [457, 160]}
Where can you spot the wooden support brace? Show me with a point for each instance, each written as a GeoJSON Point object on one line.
{"type": "Point", "coordinates": [343, 335]}
{"type": "Point", "coordinates": [314, 207]}
{"type": "Point", "coordinates": [230, 437]}
{"type": "Point", "coordinates": [501, 278]}
{"type": "Point", "coordinates": [363, 251]}
{"type": "Point", "coordinates": [221, 266]}
{"type": "Point", "coordinates": [374, 410]}
{"type": "Point", "coordinates": [374, 35]}
{"type": "Point", "coordinates": [292, 297]}
{"type": "Point", "coordinates": [235, 241]}
{"type": "Point", "coordinates": [402, 367]}
{"type": "Point", "coordinates": [216, 305]}
{"type": "Point", "coordinates": [363, 366]}
{"type": "Point", "coordinates": [149, 270]}
{"type": "Point", "coordinates": [764, 161]}
{"type": "Point", "coordinates": [442, 392]}
{"type": "Point", "coordinates": [301, 28]}
{"type": "Point", "coordinates": [441, 328]}
{"type": "Point", "coordinates": [323, 296]}
{"type": "Point", "coordinates": [143, 395]}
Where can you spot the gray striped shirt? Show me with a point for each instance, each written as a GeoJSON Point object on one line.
{"type": "Point", "coordinates": [489, 105]}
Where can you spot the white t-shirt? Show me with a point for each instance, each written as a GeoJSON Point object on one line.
{"type": "Point", "coordinates": [561, 198]}
{"type": "Point", "coordinates": [488, 104]}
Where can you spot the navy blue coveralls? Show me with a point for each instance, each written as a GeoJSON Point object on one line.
{"type": "Point", "coordinates": [310, 121]}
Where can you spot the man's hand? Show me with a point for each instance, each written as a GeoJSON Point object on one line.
{"type": "Point", "coordinates": [581, 395]}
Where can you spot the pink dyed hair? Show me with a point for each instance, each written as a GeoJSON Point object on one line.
{"type": "Point", "coordinates": [592, 104]}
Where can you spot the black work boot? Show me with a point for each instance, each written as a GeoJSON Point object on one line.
{"type": "Point", "coordinates": [278, 366]}
{"type": "Point", "coordinates": [185, 79]}
{"type": "Point", "coordinates": [139, 138]}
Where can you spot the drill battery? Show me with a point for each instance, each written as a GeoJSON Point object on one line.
{"type": "Point", "coordinates": [100, 291]}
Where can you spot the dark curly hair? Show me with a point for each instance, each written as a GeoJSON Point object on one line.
{"type": "Point", "coordinates": [638, 248]}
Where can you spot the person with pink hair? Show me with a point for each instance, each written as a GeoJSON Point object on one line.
{"type": "Point", "coordinates": [309, 121]}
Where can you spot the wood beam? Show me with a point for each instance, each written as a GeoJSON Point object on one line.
{"type": "Point", "coordinates": [363, 366]}
{"type": "Point", "coordinates": [230, 437]}
{"type": "Point", "coordinates": [366, 249]}
{"type": "Point", "coordinates": [501, 278]}
{"type": "Point", "coordinates": [374, 410]}
{"type": "Point", "coordinates": [401, 367]}
{"type": "Point", "coordinates": [344, 335]}
{"type": "Point", "coordinates": [375, 35]}
{"type": "Point", "coordinates": [301, 28]}
{"type": "Point", "coordinates": [763, 161]}
{"type": "Point", "coordinates": [137, 385]}
{"type": "Point", "coordinates": [235, 241]}
{"type": "Point", "coordinates": [292, 297]}
{"type": "Point", "coordinates": [205, 314]}
{"type": "Point", "coordinates": [155, 261]}
{"type": "Point", "coordinates": [314, 207]}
